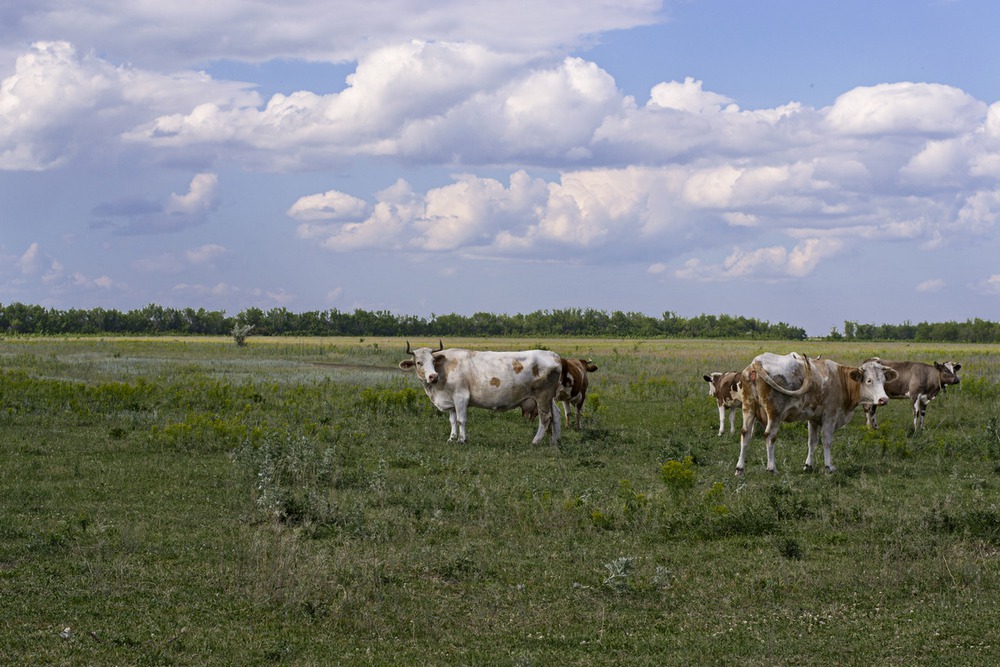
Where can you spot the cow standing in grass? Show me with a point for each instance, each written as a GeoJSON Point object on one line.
{"type": "Point", "coordinates": [456, 379]}
{"type": "Point", "coordinates": [821, 392]}
{"type": "Point", "coordinates": [573, 385]}
{"type": "Point", "coordinates": [572, 389]}
{"type": "Point", "coordinates": [918, 382]}
{"type": "Point", "coordinates": [725, 388]}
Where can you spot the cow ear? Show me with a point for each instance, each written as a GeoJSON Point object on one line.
{"type": "Point", "coordinates": [890, 373]}
{"type": "Point", "coordinates": [856, 374]}
{"type": "Point", "coordinates": [708, 378]}
{"type": "Point", "coordinates": [438, 358]}
{"type": "Point", "coordinates": [406, 364]}
{"type": "Point", "coordinates": [958, 367]}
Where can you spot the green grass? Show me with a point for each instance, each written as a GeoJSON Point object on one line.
{"type": "Point", "coordinates": [296, 502]}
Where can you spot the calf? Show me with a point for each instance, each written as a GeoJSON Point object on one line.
{"type": "Point", "coordinates": [918, 382]}
{"type": "Point", "coordinates": [572, 389]}
{"type": "Point", "coordinates": [573, 385]}
{"type": "Point", "coordinates": [456, 379]}
{"type": "Point", "coordinates": [725, 387]}
{"type": "Point", "coordinates": [821, 392]}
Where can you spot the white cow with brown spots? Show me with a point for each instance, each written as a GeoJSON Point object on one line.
{"type": "Point", "coordinates": [918, 382]}
{"type": "Point", "coordinates": [456, 379]}
{"type": "Point", "coordinates": [792, 387]}
{"type": "Point", "coordinates": [725, 388]}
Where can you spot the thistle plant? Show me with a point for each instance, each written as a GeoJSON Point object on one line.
{"type": "Point", "coordinates": [619, 571]}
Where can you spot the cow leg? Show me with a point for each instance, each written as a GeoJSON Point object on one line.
{"type": "Point", "coordinates": [556, 431]}
{"type": "Point", "coordinates": [828, 430]}
{"type": "Point", "coordinates": [870, 416]}
{"type": "Point", "coordinates": [732, 420]}
{"type": "Point", "coordinates": [722, 419]}
{"type": "Point", "coordinates": [458, 416]}
{"type": "Point", "coordinates": [920, 411]}
{"type": "Point", "coordinates": [565, 410]}
{"type": "Point", "coordinates": [453, 418]}
{"type": "Point", "coordinates": [548, 421]}
{"type": "Point", "coordinates": [770, 435]}
{"type": "Point", "coordinates": [811, 446]}
{"type": "Point", "coordinates": [749, 421]}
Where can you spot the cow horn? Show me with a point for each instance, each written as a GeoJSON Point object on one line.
{"type": "Point", "coordinates": [440, 345]}
{"type": "Point", "coordinates": [408, 350]}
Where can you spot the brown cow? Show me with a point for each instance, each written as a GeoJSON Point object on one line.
{"type": "Point", "coordinates": [918, 382]}
{"type": "Point", "coordinates": [777, 388]}
{"type": "Point", "coordinates": [725, 387]}
{"type": "Point", "coordinates": [572, 388]}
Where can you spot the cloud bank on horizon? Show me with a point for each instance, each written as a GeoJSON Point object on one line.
{"type": "Point", "coordinates": [494, 139]}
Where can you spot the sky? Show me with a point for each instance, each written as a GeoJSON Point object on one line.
{"type": "Point", "coordinates": [802, 162]}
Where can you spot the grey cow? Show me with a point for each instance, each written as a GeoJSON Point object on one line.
{"type": "Point", "coordinates": [918, 382]}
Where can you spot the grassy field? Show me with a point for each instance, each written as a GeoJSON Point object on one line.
{"type": "Point", "coordinates": [296, 502]}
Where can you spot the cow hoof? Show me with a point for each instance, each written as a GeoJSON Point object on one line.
{"type": "Point", "coordinates": [739, 472]}
{"type": "Point", "coordinates": [830, 469]}
{"type": "Point", "coordinates": [807, 468]}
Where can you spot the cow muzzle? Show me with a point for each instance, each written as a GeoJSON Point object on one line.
{"type": "Point", "coordinates": [432, 378]}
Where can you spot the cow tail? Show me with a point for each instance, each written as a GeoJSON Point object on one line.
{"type": "Point", "coordinates": [806, 381]}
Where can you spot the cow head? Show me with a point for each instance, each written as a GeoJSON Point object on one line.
{"type": "Point", "coordinates": [872, 376]}
{"type": "Point", "coordinates": [710, 379]}
{"type": "Point", "coordinates": [727, 389]}
{"type": "Point", "coordinates": [949, 373]}
{"type": "Point", "coordinates": [424, 362]}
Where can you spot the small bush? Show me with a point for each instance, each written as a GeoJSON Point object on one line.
{"type": "Point", "coordinates": [679, 476]}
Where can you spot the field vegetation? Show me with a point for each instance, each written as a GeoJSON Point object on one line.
{"type": "Point", "coordinates": [188, 501]}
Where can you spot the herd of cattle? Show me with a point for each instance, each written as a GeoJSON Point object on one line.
{"type": "Point", "coordinates": [773, 389]}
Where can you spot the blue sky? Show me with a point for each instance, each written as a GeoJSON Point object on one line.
{"type": "Point", "coordinates": [803, 162]}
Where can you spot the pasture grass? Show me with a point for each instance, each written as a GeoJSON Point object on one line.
{"type": "Point", "coordinates": [295, 502]}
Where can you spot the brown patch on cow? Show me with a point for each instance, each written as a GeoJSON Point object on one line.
{"type": "Point", "coordinates": [518, 366]}
{"type": "Point", "coordinates": [535, 370]}
{"type": "Point", "coordinates": [495, 382]}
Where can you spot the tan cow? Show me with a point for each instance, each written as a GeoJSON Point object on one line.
{"type": "Point", "coordinates": [792, 387]}
{"type": "Point", "coordinates": [725, 388]}
{"type": "Point", "coordinates": [918, 382]}
{"type": "Point", "coordinates": [456, 379]}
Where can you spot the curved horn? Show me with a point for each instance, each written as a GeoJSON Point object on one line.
{"type": "Point", "coordinates": [408, 350]}
{"type": "Point", "coordinates": [440, 345]}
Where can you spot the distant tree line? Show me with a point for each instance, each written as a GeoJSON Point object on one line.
{"type": "Point", "coordinates": [971, 331]}
{"type": "Point", "coordinates": [18, 318]}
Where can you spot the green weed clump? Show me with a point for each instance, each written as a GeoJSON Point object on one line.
{"type": "Point", "coordinates": [679, 476]}
{"type": "Point", "coordinates": [204, 432]}
{"type": "Point", "coordinates": [386, 399]}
